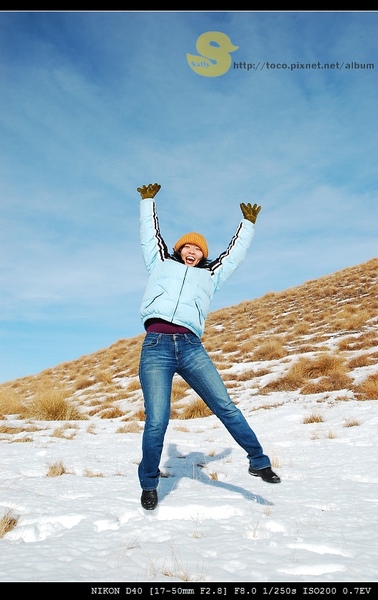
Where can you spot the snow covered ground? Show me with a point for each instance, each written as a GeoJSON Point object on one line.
{"type": "Point", "coordinates": [214, 522]}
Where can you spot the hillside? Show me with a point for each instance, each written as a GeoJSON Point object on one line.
{"type": "Point", "coordinates": [320, 337]}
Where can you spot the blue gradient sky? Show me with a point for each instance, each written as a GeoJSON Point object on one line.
{"type": "Point", "coordinates": [93, 105]}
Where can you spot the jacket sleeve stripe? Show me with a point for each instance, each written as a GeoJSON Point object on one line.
{"type": "Point", "coordinates": [160, 243]}
{"type": "Point", "coordinates": [217, 263]}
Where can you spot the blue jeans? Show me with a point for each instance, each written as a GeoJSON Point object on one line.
{"type": "Point", "coordinates": [162, 356]}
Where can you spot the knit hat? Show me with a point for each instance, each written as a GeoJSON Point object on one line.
{"type": "Point", "coordinates": [193, 238]}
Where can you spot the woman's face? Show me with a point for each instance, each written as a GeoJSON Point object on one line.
{"type": "Point", "coordinates": [191, 254]}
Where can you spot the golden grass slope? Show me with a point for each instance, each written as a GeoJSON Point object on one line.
{"type": "Point", "coordinates": [318, 338]}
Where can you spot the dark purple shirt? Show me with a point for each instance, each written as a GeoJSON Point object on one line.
{"type": "Point", "coordinates": [161, 326]}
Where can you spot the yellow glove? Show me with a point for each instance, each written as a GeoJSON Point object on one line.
{"type": "Point", "coordinates": [149, 191]}
{"type": "Point", "coordinates": [250, 212]}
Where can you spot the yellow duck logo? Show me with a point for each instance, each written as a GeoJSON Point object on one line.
{"type": "Point", "coordinates": [214, 48]}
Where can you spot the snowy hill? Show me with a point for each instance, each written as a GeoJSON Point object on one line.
{"type": "Point", "coordinates": [301, 364]}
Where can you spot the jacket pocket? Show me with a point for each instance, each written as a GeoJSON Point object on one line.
{"type": "Point", "coordinates": [153, 300]}
{"type": "Point", "coordinates": [200, 315]}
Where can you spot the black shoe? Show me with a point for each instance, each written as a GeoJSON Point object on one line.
{"type": "Point", "coordinates": [266, 474]}
{"type": "Point", "coordinates": [149, 499]}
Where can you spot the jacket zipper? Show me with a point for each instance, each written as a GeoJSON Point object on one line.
{"type": "Point", "coordinates": [179, 296]}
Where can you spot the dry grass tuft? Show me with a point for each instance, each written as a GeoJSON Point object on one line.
{"type": "Point", "coordinates": [270, 350]}
{"type": "Point", "coordinates": [90, 473]}
{"type": "Point", "coordinates": [133, 386]}
{"type": "Point", "coordinates": [132, 427]}
{"type": "Point", "coordinates": [10, 430]}
{"type": "Point", "coordinates": [323, 365]}
{"type": "Point", "coordinates": [245, 375]}
{"type": "Point", "coordinates": [83, 382]}
{"type": "Point", "coordinates": [197, 409]}
{"type": "Point", "coordinates": [52, 405]}
{"type": "Point", "coordinates": [328, 370]}
{"type": "Point", "coordinates": [179, 389]}
{"type": "Point", "coordinates": [65, 431]}
{"type": "Point", "coordinates": [368, 389]}
{"type": "Point", "coordinates": [56, 470]}
{"type": "Point", "coordinates": [348, 319]}
{"type": "Point", "coordinates": [290, 381]}
{"type": "Point", "coordinates": [331, 383]}
{"type": "Point", "coordinates": [313, 418]}
{"type": "Point", "coordinates": [140, 415]}
{"type": "Point", "coordinates": [10, 402]}
{"type": "Point", "coordinates": [352, 423]}
{"type": "Point", "coordinates": [113, 412]}
{"type": "Point", "coordinates": [7, 523]}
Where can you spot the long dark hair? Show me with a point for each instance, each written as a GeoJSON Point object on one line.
{"type": "Point", "coordinates": [204, 263]}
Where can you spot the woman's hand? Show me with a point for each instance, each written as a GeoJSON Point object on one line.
{"type": "Point", "coordinates": [149, 191]}
{"type": "Point", "coordinates": [250, 212]}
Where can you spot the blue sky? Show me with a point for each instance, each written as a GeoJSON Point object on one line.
{"type": "Point", "coordinates": [93, 105]}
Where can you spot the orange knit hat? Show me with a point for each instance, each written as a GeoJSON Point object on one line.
{"type": "Point", "coordinates": [193, 238]}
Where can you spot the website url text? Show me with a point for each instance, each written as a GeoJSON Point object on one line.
{"type": "Point", "coordinates": [338, 66]}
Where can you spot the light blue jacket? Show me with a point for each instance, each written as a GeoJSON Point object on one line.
{"type": "Point", "coordinates": [178, 293]}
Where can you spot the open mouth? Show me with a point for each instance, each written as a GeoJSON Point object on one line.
{"type": "Point", "coordinates": [190, 260]}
